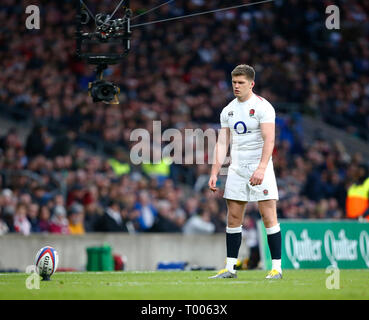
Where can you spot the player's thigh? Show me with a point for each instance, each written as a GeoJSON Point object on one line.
{"type": "Point", "coordinates": [268, 212]}
{"type": "Point", "coordinates": [235, 212]}
{"type": "Point", "coordinates": [236, 185]}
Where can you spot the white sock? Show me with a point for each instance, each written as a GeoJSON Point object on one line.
{"type": "Point", "coordinates": [276, 264]}
{"type": "Point", "coordinates": [230, 264]}
{"type": "Point", "coordinates": [273, 230]}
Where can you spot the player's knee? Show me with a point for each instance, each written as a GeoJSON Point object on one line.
{"type": "Point", "coordinates": [233, 225]}
{"type": "Point", "coordinates": [234, 220]}
{"type": "Point", "coordinates": [269, 219]}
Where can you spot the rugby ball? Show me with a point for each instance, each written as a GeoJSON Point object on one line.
{"type": "Point", "coordinates": [46, 262]}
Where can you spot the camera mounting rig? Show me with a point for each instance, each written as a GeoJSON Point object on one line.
{"type": "Point", "coordinates": [108, 31]}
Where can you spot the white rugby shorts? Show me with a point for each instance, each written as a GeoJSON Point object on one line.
{"type": "Point", "coordinates": [238, 185]}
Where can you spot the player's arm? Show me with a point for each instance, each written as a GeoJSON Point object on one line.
{"type": "Point", "coordinates": [219, 155]}
{"type": "Point", "coordinates": [268, 134]}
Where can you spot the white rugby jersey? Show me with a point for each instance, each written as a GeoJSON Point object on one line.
{"type": "Point", "coordinates": [243, 119]}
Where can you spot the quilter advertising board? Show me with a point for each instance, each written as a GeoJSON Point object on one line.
{"type": "Point", "coordinates": [310, 244]}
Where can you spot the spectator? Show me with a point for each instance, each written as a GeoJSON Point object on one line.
{"type": "Point", "coordinates": [59, 222]}
{"type": "Point", "coordinates": [33, 217]}
{"type": "Point", "coordinates": [10, 140]}
{"type": "Point", "coordinates": [166, 220]}
{"type": "Point", "coordinates": [191, 206]}
{"type": "Point", "coordinates": [357, 201]}
{"type": "Point", "coordinates": [5, 200]}
{"type": "Point", "coordinates": [44, 219]}
{"type": "Point", "coordinates": [63, 144]}
{"type": "Point", "coordinates": [218, 215]}
{"type": "Point", "coordinates": [333, 211]}
{"type": "Point", "coordinates": [199, 224]}
{"type": "Point", "coordinates": [113, 219]}
{"type": "Point", "coordinates": [36, 141]}
{"type": "Point", "coordinates": [147, 211]}
{"type": "Point", "coordinates": [76, 219]}
{"type": "Point", "coordinates": [8, 217]}
{"type": "Point", "coordinates": [76, 194]}
{"type": "Point", "coordinates": [8, 202]}
{"type": "Point", "coordinates": [3, 227]}
{"type": "Point", "coordinates": [21, 223]}
{"type": "Point", "coordinates": [92, 215]}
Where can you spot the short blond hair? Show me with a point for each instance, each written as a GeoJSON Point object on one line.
{"type": "Point", "coordinates": [244, 70]}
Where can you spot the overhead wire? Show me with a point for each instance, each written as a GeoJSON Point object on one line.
{"type": "Point", "coordinates": [199, 13]}
{"type": "Point", "coordinates": [173, 18]}
{"type": "Point", "coordinates": [109, 17]}
{"type": "Point", "coordinates": [88, 10]}
{"type": "Point", "coordinates": [152, 9]}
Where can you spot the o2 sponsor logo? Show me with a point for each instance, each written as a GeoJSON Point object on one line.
{"type": "Point", "coordinates": [240, 127]}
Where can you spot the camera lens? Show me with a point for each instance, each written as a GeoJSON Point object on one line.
{"type": "Point", "coordinates": [103, 91]}
{"type": "Point", "coordinates": [106, 91]}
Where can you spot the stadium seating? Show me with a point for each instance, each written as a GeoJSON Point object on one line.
{"type": "Point", "coordinates": [178, 72]}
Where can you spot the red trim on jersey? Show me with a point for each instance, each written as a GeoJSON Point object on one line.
{"type": "Point", "coordinates": [259, 97]}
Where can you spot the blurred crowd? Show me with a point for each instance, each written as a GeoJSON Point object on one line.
{"type": "Point", "coordinates": [178, 73]}
{"type": "Point", "coordinates": [180, 70]}
{"type": "Point", "coordinates": [79, 192]}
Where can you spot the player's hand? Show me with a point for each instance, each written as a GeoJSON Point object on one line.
{"type": "Point", "coordinates": [257, 177]}
{"type": "Point", "coordinates": [212, 183]}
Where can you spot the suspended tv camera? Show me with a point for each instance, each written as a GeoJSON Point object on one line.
{"type": "Point", "coordinates": [106, 32]}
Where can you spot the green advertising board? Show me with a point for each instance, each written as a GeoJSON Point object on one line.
{"type": "Point", "coordinates": [310, 244]}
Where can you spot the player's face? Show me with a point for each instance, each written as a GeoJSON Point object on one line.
{"type": "Point", "coordinates": [242, 87]}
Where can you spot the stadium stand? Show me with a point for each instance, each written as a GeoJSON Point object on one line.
{"type": "Point", "coordinates": [72, 174]}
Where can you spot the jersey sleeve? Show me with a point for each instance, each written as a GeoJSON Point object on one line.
{"type": "Point", "coordinates": [268, 113]}
{"type": "Point", "coordinates": [224, 119]}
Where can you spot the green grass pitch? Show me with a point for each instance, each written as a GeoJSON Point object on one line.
{"type": "Point", "coordinates": [184, 285]}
